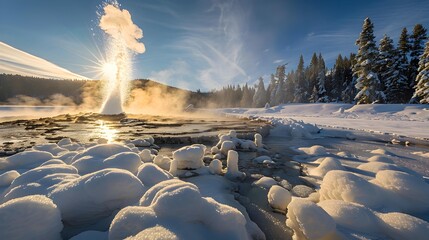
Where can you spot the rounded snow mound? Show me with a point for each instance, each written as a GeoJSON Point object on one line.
{"type": "Point", "coordinates": [25, 160]}
{"type": "Point", "coordinates": [96, 195]}
{"type": "Point", "coordinates": [314, 150]}
{"type": "Point", "coordinates": [309, 221]}
{"type": "Point", "coordinates": [7, 178]}
{"type": "Point", "coordinates": [31, 217]}
{"type": "Point", "coordinates": [150, 174]}
{"type": "Point", "coordinates": [279, 198]}
{"type": "Point", "coordinates": [177, 208]}
{"type": "Point", "coordinates": [327, 164]}
{"type": "Point", "coordinates": [106, 156]}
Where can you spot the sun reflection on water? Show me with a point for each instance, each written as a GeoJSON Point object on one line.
{"type": "Point", "coordinates": [107, 132]}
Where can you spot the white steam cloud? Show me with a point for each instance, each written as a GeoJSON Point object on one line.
{"type": "Point", "coordinates": [118, 24]}
{"type": "Point", "coordinates": [15, 61]}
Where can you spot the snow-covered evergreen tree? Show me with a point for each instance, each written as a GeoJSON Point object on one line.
{"type": "Point", "coordinates": [271, 91]}
{"type": "Point", "coordinates": [260, 97]}
{"type": "Point", "coordinates": [349, 90]}
{"type": "Point", "coordinates": [422, 80]}
{"type": "Point", "coordinates": [418, 39]}
{"type": "Point", "coordinates": [367, 82]}
{"type": "Point", "coordinates": [392, 72]}
{"type": "Point", "coordinates": [314, 95]}
{"type": "Point", "coordinates": [300, 85]}
{"type": "Point", "coordinates": [321, 78]}
{"type": "Point", "coordinates": [279, 96]}
{"type": "Point", "coordinates": [247, 97]}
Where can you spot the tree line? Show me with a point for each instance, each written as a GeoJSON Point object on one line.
{"type": "Point", "coordinates": [382, 73]}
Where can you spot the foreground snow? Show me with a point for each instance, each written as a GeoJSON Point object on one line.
{"type": "Point", "coordinates": [399, 119]}
{"type": "Point", "coordinates": [128, 190]}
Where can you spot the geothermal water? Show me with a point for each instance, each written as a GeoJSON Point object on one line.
{"type": "Point", "coordinates": [122, 43]}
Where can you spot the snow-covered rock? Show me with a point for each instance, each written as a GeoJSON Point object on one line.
{"type": "Point", "coordinates": [214, 150]}
{"type": "Point", "coordinates": [31, 217]}
{"type": "Point", "coordinates": [380, 158]}
{"type": "Point", "coordinates": [313, 150]}
{"type": "Point", "coordinates": [215, 166]}
{"type": "Point", "coordinates": [146, 155]}
{"type": "Point", "coordinates": [190, 157]}
{"type": "Point", "coordinates": [261, 159]}
{"type": "Point", "coordinates": [279, 198]}
{"type": "Point", "coordinates": [150, 174]}
{"type": "Point", "coordinates": [258, 140]}
{"type": "Point", "coordinates": [177, 209]}
{"type": "Point", "coordinates": [400, 226]}
{"type": "Point", "coordinates": [226, 146]}
{"type": "Point", "coordinates": [265, 182]}
{"type": "Point", "coordinates": [51, 148]}
{"type": "Point", "coordinates": [162, 162]}
{"type": "Point", "coordinates": [302, 191]}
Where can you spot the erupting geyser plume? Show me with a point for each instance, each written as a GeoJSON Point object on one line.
{"type": "Point", "coordinates": [123, 43]}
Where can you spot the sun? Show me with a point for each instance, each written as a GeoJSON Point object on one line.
{"type": "Point", "coordinates": [109, 70]}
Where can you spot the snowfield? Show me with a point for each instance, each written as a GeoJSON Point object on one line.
{"type": "Point", "coordinates": [300, 182]}
{"type": "Point", "coordinates": [409, 120]}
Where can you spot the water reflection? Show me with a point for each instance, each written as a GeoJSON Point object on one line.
{"type": "Point", "coordinates": [107, 132]}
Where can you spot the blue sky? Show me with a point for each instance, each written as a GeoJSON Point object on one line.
{"type": "Point", "coordinates": [198, 44]}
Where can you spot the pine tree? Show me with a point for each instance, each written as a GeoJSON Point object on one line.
{"type": "Point", "coordinates": [365, 68]}
{"type": "Point", "coordinates": [314, 95]}
{"type": "Point", "coordinates": [321, 78]}
{"type": "Point", "coordinates": [290, 84]}
{"type": "Point", "coordinates": [247, 97]}
{"type": "Point", "coordinates": [260, 97]}
{"type": "Point", "coordinates": [338, 78]}
{"type": "Point", "coordinates": [349, 90]}
{"type": "Point", "coordinates": [422, 80]}
{"type": "Point", "coordinates": [271, 91]}
{"type": "Point", "coordinates": [300, 85]}
{"type": "Point", "coordinates": [392, 73]}
{"type": "Point", "coordinates": [279, 96]}
{"type": "Point", "coordinates": [312, 73]}
{"type": "Point", "coordinates": [418, 39]}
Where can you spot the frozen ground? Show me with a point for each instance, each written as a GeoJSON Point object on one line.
{"type": "Point", "coordinates": [300, 182]}
{"type": "Point", "coordinates": [396, 119]}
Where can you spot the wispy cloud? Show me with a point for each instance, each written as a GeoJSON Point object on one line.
{"type": "Point", "coordinates": [15, 61]}
{"type": "Point", "coordinates": [278, 61]}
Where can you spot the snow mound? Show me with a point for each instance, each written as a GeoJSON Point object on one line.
{"type": "Point", "coordinates": [279, 198]}
{"type": "Point", "coordinates": [106, 156]}
{"type": "Point", "coordinates": [7, 178]}
{"type": "Point", "coordinates": [265, 182]}
{"type": "Point", "coordinates": [380, 158]}
{"type": "Point", "coordinates": [25, 160]}
{"type": "Point", "coordinates": [314, 150]}
{"type": "Point", "coordinates": [96, 195]}
{"type": "Point", "coordinates": [352, 216]}
{"type": "Point", "coordinates": [51, 148]}
{"type": "Point", "coordinates": [162, 162]}
{"type": "Point", "coordinates": [226, 146]}
{"type": "Point", "coordinates": [150, 174]}
{"type": "Point", "coordinates": [177, 209]}
{"type": "Point", "coordinates": [32, 217]}
{"type": "Point", "coordinates": [190, 157]}
{"type": "Point", "coordinates": [146, 155]}
{"type": "Point", "coordinates": [327, 164]}
{"type": "Point", "coordinates": [293, 128]}
{"type": "Point", "coordinates": [400, 226]}
{"type": "Point", "coordinates": [346, 186]}
{"type": "Point", "coordinates": [309, 221]}
{"type": "Point", "coordinates": [410, 193]}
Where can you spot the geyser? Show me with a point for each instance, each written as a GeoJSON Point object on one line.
{"type": "Point", "coordinates": [122, 38]}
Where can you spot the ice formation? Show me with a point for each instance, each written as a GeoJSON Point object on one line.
{"type": "Point", "coordinates": [232, 171]}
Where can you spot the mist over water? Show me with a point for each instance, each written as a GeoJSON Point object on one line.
{"type": "Point", "coordinates": [122, 37]}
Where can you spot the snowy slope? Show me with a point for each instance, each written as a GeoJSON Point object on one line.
{"type": "Point", "coordinates": [398, 119]}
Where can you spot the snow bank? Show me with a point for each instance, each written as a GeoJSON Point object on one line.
{"type": "Point", "coordinates": [176, 208]}
{"type": "Point", "coordinates": [150, 174]}
{"type": "Point", "coordinates": [25, 160]}
{"type": "Point", "coordinates": [279, 198]}
{"type": "Point", "coordinates": [190, 157]}
{"type": "Point", "coordinates": [309, 221]}
{"type": "Point", "coordinates": [32, 217]}
{"type": "Point", "coordinates": [293, 128]}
